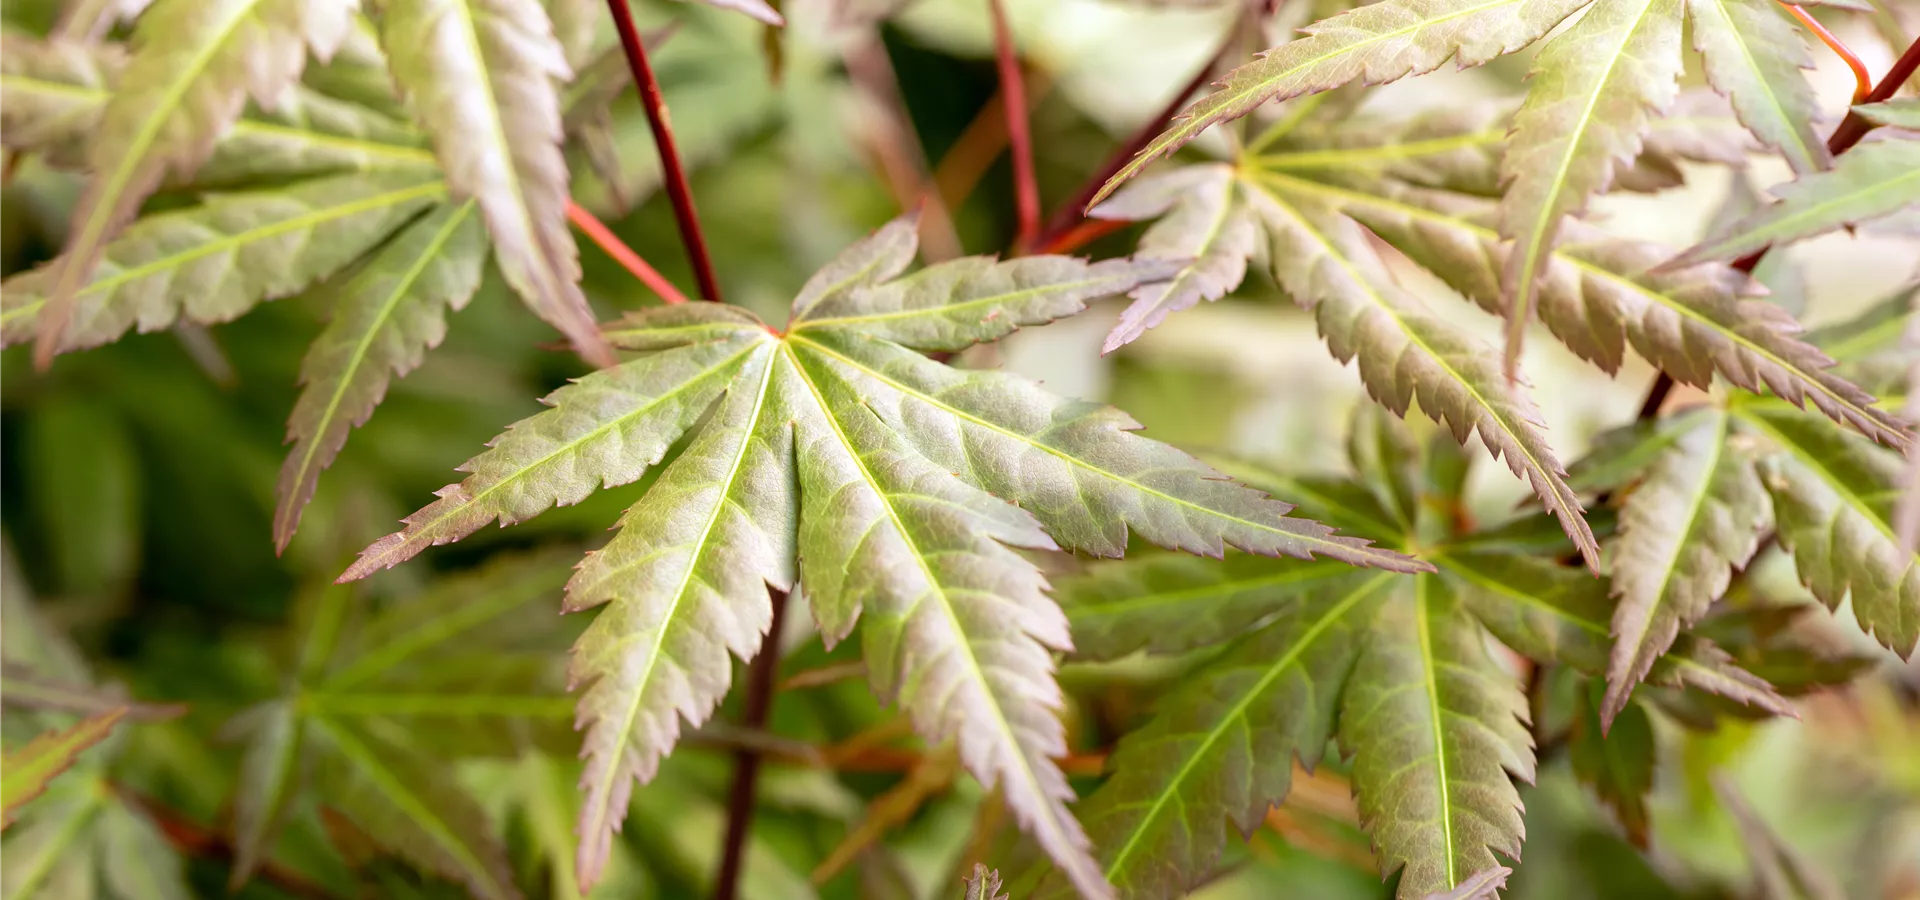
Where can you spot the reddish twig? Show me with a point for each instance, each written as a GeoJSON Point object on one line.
{"type": "Point", "coordinates": [1073, 212]}
{"type": "Point", "coordinates": [1080, 235]}
{"type": "Point", "coordinates": [1851, 130]}
{"type": "Point", "coordinates": [1013, 91]}
{"type": "Point", "coordinates": [671, 170]}
{"type": "Point", "coordinates": [604, 237]}
{"type": "Point", "coordinates": [746, 765]}
{"type": "Point", "coordinates": [1862, 82]}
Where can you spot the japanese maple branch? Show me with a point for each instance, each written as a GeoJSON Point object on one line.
{"type": "Point", "coordinates": [1862, 81]}
{"type": "Point", "coordinates": [1026, 185]}
{"type": "Point", "coordinates": [671, 170]}
{"type": "Point", "coordinates": [1851, 130]}
{"type": "Point", "coordinates": [604, 237]}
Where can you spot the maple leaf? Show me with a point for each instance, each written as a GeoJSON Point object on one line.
{"type": "Point", "coordinates": [1875, 179]}
{"type": "Point", "coordinates": [30, 768]}
{"type": "Point", "coordinates": [885, 485]}
{"type": "Point", "coordinates": [1393, 665]}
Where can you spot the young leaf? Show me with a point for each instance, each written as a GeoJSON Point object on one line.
{"type": "Point", "coordinates": [1754, 54]}
{"type": "Point", "coordinates": [1875, 179]}
{"type": "Point", "coordinates": [1221, 748]}
{"type": "Point", "coordinates": [1377, 43]}
{"type": "Point", "coordinates": [30, 767]}
{"type": "Point", "coordinates": [194, 64]}
{"type": "Point", "coordinates": [903, 470]}
{"type": "Point", "coordinates": [984, 884]}
{"type": "Point", "coordinates": [1697, 515]}
{"type": "Point", "coordinates": [1437, 731]}
{"type": "Point", "coordinates": [212, 262]}
{"type": "Point", "coordinates": [1405, 352]}
{"type": "Point", "coordinates": [392, 311]}
{"type": "Point", "coordinates": [480, 74]}
{"type": "Point", "coordinates": [1594, 89]}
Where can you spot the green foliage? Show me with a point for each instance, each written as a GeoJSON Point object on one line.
{"type": "Point", "coordinates": [1106, 666]}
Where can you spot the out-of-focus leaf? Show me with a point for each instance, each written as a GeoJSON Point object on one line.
{"type": "Point", "coordinates": [32, 766]}
{"type": "Point", "coordinates": [1784, 873]}
{"type": "Point", "coordinates": [984, 884]}
{"type": "Point", "coordinates": [1900, 112]}
{"type": "Point", "coordinates": [1172, 604]}
{"type": "Point", "coordinates": [1616, 761]}
{"type": "Point", "coordinates": [1875, 179]}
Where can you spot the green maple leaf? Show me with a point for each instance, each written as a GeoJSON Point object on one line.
{"type": "Point", "coordinates": [35, 764]}
{"type": "Point", "coordinates": [1877, 178]}
{"type": "Point", "coordinates": [885, 485]}
{"type": "Point", "coordinates": [1393, 665]}
{"type": "Point", "coordinates": [379, 704]}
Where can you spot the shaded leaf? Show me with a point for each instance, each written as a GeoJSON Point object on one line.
{"type": "Point", "coordinates": [1171, 604]}
{"type": "Point", "coordinates": [1615, 760]}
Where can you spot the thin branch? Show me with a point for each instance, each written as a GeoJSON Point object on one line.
{"type": "Point", "coordinates": [604, 237]}
{"type": "Point", "coordinates": [1862, 82]}
{"type": "Point", "coordinates": [746, 765]}
{"type": "Point", "coordinates": [966, 160]}
{"type": "Point", "coordinates": [671, 170]}
{"type": "Point", "coordinates": [1013, 92]}
{"type": "Point", "coordinates": [1851, 130]}
{"type": "Point", "coordinates": [1071, 214]}
{"type": "Point", "coordinates": [1080, 235]}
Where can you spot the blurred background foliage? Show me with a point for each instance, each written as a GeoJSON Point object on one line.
{"type": "Point", "coordinates": [136, 494]}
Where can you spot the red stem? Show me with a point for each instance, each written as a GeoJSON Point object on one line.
{"type": "Point", "coordinates": [598, 232]}
{"type": "Point", "coordinates": [1069, 216]}
{"type": "Point", "coordinates": [1013, 88]}
{"type": "Point", "coordinates": [1862, 82]}
{"type": "Point", "coordinates": [746, 766]}
{"type": "Point", "coordinates": [1851, 130]}
{"type": "Point", "coordinates": [671, 170]}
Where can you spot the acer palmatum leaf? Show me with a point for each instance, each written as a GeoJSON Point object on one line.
{"type": "Point", "coordinates": [1593, 92]}
{"type": "Point", "coordinates": [1174, 603]}
{"type": "Point", "coordinates": [194, 64]}
{"type": "Point", "coordinates": [1482, 885]}
{"type": "Point", "coordinates": [213, 262]}
{"type": "Point", "coordinates": [903, 469]}
{"type": "Point", "coordinates": [1877, 178]}
{"type": "Point", "coordinates": [1754, 54]}
{"type": "Point", "coordinates": [1377, 43]}
{"type": "Point", "coordinates": [390, 313]}
{"type": "Point", "coordinates": [481, 76]}
{"type": "Point", "coordinates": [1696, 516]}
{"type": "Point", "coordinates": [984, 884]}
{"type": "Point", "coordinates": [1900, 112]}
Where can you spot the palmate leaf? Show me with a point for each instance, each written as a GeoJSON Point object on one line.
{"type": "Point", "coordinates": [480, 75]}
{"type": "Point", "coordinates": [391, 312]}
{"type": "Point", "coordinates": [194, 64]}
{"type": "Point", "coordinates": [1593, 92]}
{"type": "Point", "coordinates": [1876, 178]}
{"type": "Point", "coordinates": [1697, 515]}
{"type": "Point", "coordinates": [1902, 112]}
{"type": "Point", "coordinates": [213, 262]}
{"type": "Point", "coordinates": [35, 764]}
{"type": "Point", "coordinates": [380, 702]}
{"type": "Point", "coordinates": [1206, 221]}
{"type": "Point", "coordinates": [1394, 664]}
{"type": "Point", "coordinates": [890, 478]}
{"type": "Point", "coordinates": [1376, 43]}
